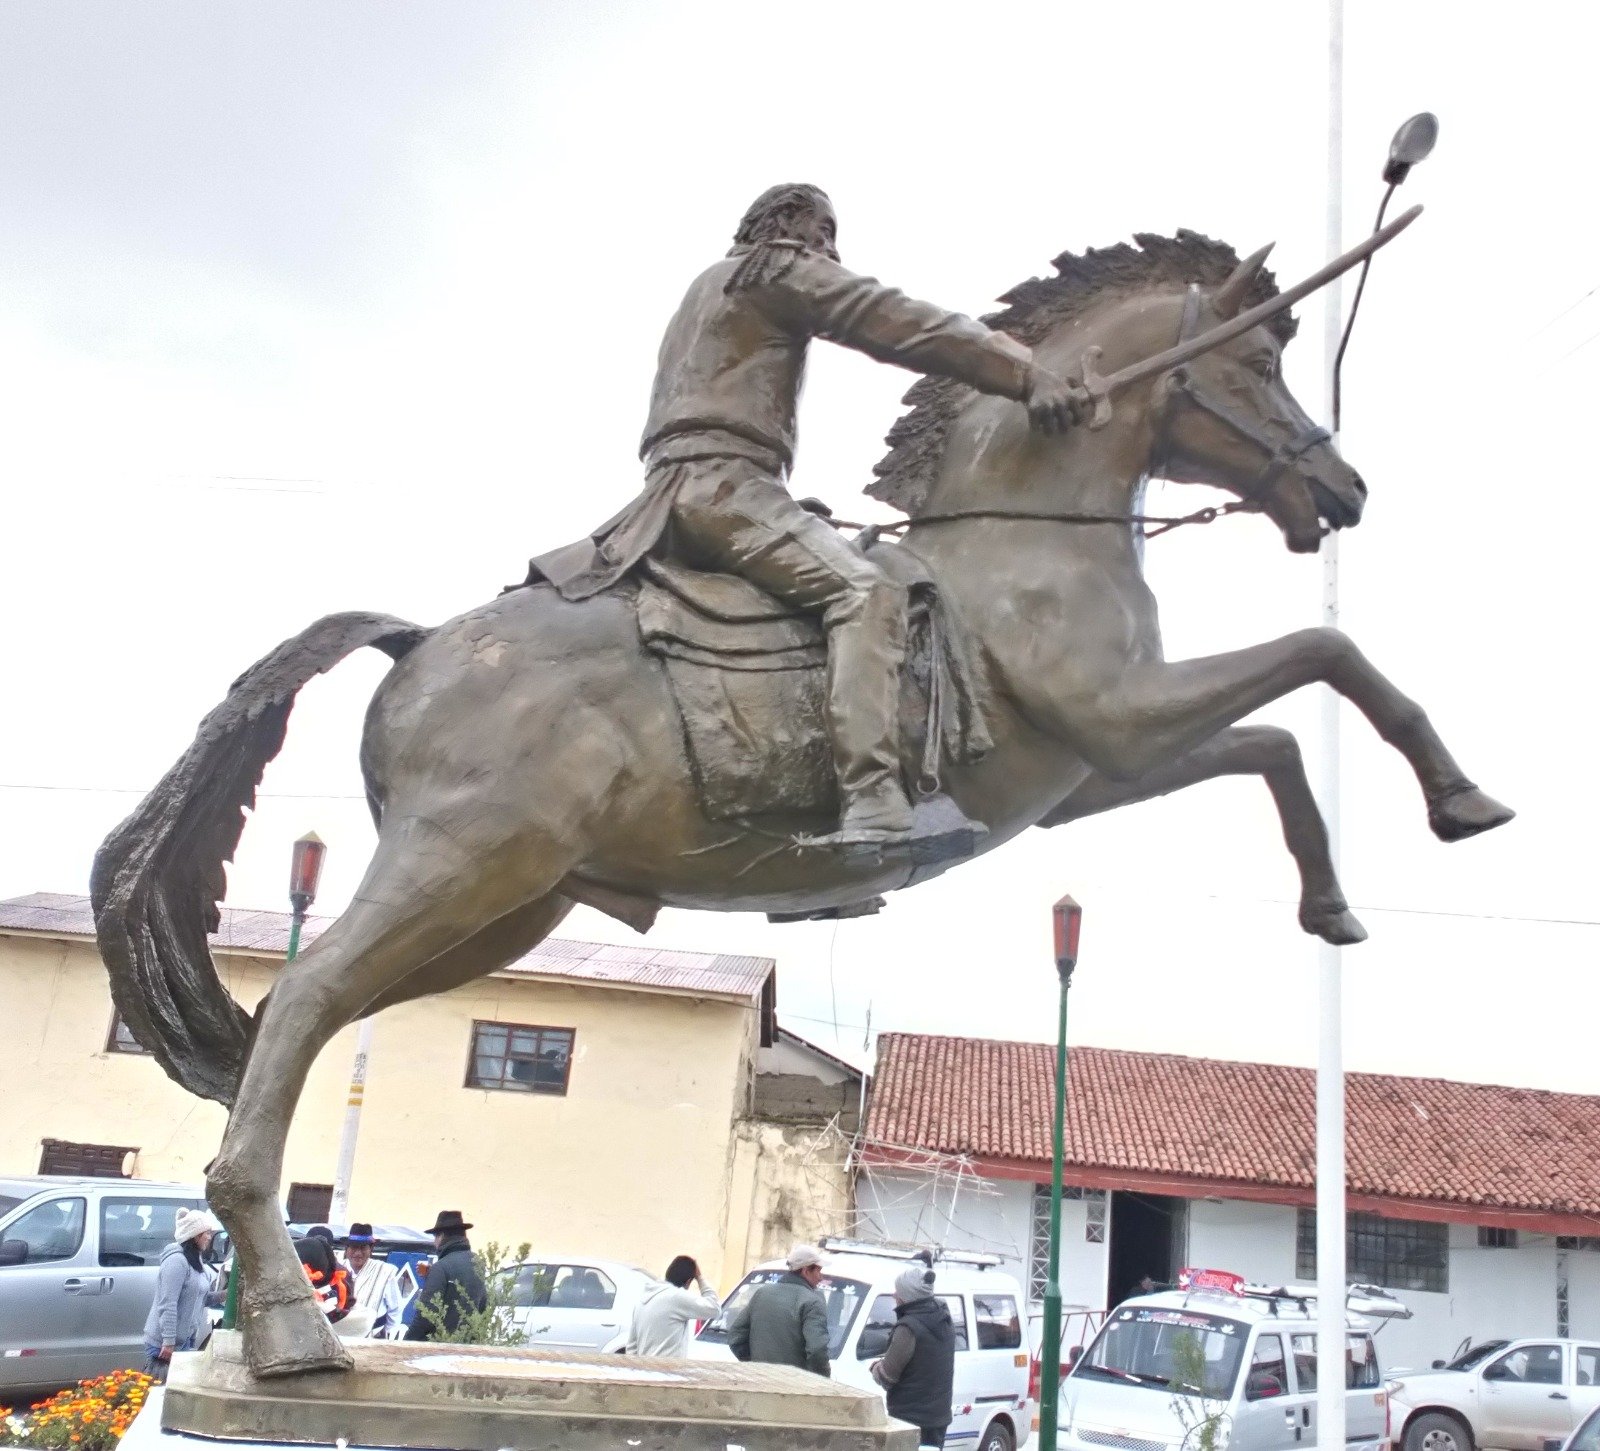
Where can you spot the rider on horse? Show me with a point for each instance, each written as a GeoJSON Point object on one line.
{"type": "Point", "coordinates": [719, 445]}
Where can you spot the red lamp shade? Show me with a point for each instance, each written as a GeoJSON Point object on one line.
{"type": "Point", "coordinates": [1068, 919]}
{"type": "Point", "coordinates": [305, 869]}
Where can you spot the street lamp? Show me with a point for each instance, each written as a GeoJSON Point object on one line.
{"type": "Point", "coordinates": [1067, 920]}
{"type": "Point", "coordinates": [1411, 144]}
{"type": "Point", "coordinates": [305, 872]}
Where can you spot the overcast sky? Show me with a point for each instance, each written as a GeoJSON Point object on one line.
{"type": "Point", "coordinates": [308, 307]}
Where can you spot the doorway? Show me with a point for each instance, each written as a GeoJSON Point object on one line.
{"type": "Point", "coordinates": [1149, 1236]}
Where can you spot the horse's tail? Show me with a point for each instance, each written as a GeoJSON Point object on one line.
{"type": "Point", "coordinates": [158, 878]}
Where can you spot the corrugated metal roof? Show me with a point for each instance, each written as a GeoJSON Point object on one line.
{"type": "Point", "coordinates": [715, 974]}
{"type": "Point", "coordinates": [1517, 1149]}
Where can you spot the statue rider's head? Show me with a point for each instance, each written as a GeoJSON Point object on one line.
{"type": "Point", "coordinates": [793, 212]}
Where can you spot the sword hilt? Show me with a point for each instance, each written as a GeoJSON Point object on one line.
{"type": "Point", "coordinates": [1094, 384]}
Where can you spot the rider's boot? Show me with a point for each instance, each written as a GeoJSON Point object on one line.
{"type": "Point", "coordinates": [865, 653]}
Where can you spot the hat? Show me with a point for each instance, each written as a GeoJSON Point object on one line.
{"type": "Point", "coordinates": [449, 1222]}
{"type": "Point", "coordinates": [360, 1233]}
{"type": "Point", "coordinates": [192, 1222]}
{"type": "Point", "coordinates": [804, 1257]}
{"type": "Point", "coordinates": [913, 1283]}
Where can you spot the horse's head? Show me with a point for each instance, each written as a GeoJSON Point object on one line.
{"type": "Point", "coordinates": [1228, 419]}
{"type": "Point", "coordinates": [1225, 419]}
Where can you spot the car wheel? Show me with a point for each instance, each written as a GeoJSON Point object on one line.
{"type": "Point", "coordinates": [997, 1438]}
{"type": "Point", "coordinates": [1437, 1432]}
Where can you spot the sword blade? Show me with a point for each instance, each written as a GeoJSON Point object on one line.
{"type": "Point", "coordinates": [1238, 326]}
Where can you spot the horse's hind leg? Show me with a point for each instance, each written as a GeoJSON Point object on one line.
{"type": "Point", "coordinates": [409, 912]}
{"type": "Point", "coordinates": [1274, 755]}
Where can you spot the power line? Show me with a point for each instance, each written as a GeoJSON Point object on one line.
{"type": "Point", "coordinates": [1571, 307]}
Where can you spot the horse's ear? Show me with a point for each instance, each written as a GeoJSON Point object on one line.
{"type": "Point", "coordinates": [1229, 298]}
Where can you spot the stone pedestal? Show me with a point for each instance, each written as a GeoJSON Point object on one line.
{"type": "Point", "coordinates": [478, 1398]}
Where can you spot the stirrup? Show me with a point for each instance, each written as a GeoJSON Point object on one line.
{"type": "Point", "coordinates": [940, 832]}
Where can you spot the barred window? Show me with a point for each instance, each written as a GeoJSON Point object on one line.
{"type": "Point", "coordinates": [1492, 1236]}
{"type": "Point", "coordinates": [1094, 1231]}
{"type": "Point", "coordinates": [1399, 1254]}
{"type": "Point", "coordinates": [521, 1057]}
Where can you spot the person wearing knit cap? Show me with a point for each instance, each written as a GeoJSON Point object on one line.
{"type": "Point", "coordinates": [177, 1318]}
{"type": "Point", "coordinates": [918, 1368]}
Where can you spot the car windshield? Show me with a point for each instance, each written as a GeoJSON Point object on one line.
{"type": "Point", "coordinates": [843, 1298]}
{"type": "Point", "coordinates": [1167, 1350]}
{"type": "Point", "coordinates": [1477, 1355]}
{"type": "Point", "coordinates": [8, 1202]}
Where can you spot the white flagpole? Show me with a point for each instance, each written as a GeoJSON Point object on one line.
{"type": "Point", "coordinates": [1330, 1007]}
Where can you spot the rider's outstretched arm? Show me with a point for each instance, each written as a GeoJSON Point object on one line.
{"type": "Point", "coordinates": [823, 299]}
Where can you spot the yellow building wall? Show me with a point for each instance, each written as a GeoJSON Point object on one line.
{"type": "Point", "coordinates": [634, 1163]}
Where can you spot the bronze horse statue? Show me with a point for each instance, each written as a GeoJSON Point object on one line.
{"type": "Point", "coordinates": [529, 754]}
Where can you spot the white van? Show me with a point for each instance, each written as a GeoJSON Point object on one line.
{"type": "Point", "coordinates": [1238, 1356]}
{"type": "Point", "coordinates": [991, 1411]}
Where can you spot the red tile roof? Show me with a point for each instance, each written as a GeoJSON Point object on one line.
{"type": "Point", "coordinates": [1250, 1124]}
{"type": "Point", "coordinates": [715, 974]}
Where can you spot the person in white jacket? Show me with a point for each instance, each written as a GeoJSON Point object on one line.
{"type": "Point", "coordinates": [668, 1309]}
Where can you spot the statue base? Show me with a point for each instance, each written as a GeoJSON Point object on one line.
{"type": "Point", "coordinates": [483, 1398]}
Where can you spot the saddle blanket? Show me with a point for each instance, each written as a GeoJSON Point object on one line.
{"type": "Point", "coordinates": [750, 681]}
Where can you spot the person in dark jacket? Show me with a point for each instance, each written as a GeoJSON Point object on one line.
{"type": "Point", "coordinates": [786, 1322]}
{"type": "Point", "coordinates": [454, 1287]}
{"type": "Point", "coordinates": [919, 1367]}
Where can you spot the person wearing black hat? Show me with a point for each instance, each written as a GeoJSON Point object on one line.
{"type": "Point", "coordinates": [454, 1286]}
{"type": "Point", "coordinates": [377, 1282]}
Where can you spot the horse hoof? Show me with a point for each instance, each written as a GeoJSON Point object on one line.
{"type": "Point", "coordinates": [1465, 812]}
{"type": "Point", "coordinates": [290, 1338]}
{"type": "Point", "coordinates": [1333, 922]}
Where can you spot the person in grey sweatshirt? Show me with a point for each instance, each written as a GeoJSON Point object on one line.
{"type": "Point", "coordinates": [668, 1309]}
{"type": "Point", "coordinates": [177, 1318]}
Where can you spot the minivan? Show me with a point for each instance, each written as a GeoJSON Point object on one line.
{"type": "Point", "coordinates": [991, 1410]}
{"type": "Point", "coordinates": [1219, 1354]}
{"type": "Point", "coordinates": [78, 1265]}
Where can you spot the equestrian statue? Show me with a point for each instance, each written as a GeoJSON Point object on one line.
{"type": "Point", "coordinates": [721, 700]}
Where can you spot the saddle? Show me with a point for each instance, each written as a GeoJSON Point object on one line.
{"type": "Point", "coordinates": [749, 676]}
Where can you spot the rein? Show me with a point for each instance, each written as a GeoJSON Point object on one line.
{"type": "Point", "coordinates": [1279, 456]}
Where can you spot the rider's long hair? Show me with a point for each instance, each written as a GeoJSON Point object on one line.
{"type": "Point", "coordinates": [774, 217]}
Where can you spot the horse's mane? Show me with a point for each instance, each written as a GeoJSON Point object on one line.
{"type": "Point", "coordinates": [918, 439]}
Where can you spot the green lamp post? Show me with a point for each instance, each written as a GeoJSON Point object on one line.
{"type": "Point", "coordinates": [305, 872]}
{"type": "Point", "coordinates": [1067, 920]}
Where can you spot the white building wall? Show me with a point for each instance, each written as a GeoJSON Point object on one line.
{"type": "Point", "coordinates": [991, 1216]}
{"type": "Point", "coordinates": [1583, 1292]}
{"type": "Point", "coordinates": [1253, 1240]}
{"type": "Point", "coordinates": [1493, 1294]}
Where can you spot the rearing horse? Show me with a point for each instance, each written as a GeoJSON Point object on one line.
{"type": "Point", "coordinates": [528, 754]}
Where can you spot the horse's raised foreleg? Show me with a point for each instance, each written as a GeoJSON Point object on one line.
{"type": "Point", "coordinates": [1144, 715]}
{"type": "Point", "coordinates": [1274, 755]}
{"type": "Point", "coordinates": [420, 901]}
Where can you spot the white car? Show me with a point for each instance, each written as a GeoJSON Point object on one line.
{"type": "Point", "coordinates": [573, 1302]}
{"type": "Point", "coordinates": [991, 1410]}
{"type": "Point", "coordinates": [1533, 1393]}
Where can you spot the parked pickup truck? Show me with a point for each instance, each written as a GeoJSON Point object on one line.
{"type": "Point", "coordinates": [1529, 1396]}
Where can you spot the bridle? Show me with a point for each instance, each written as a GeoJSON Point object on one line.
{"type": "Point", "coordinates": [1180, 386]}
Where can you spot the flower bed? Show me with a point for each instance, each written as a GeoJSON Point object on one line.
{"type": "Point", "coordinates": [91, 1416]}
